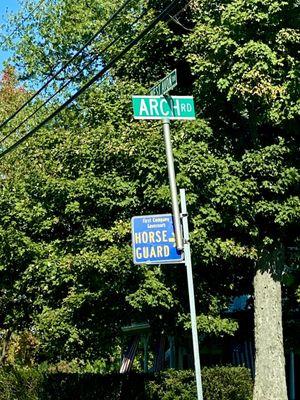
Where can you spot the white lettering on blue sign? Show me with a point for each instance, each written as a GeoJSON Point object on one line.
{"type": "Point", "coordinates": [153, 240]}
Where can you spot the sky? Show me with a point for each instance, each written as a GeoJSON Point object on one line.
{"type": "Point", "coordinates": [6, 5]}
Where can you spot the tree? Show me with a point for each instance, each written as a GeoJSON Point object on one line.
{"type": "Point", "coordinates": [69, 201]}
{"type": "Point", "coordinates": [243, 56]}
{"type": "Point", "coordinates": [242, 171]}
{"type": "Point", "coordinates": [244, 53]}
{"type": "Point", "coordinates": [11, 94]}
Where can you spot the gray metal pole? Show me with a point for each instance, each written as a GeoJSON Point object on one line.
{"type": "Point", "coordinates": [189, 271]}
{"type": "Point", "coordinates": [172, 182]}
{"type": "Point", "coordinates": [292, 376]}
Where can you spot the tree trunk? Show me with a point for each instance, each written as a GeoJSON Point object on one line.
{"type": "Point", "coordinates": [5, 345]}
{"type": "Point", "coordinates": [270, 381]}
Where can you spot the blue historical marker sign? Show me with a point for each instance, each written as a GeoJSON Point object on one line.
{"type": "Point", "coordinates": [153, 240]}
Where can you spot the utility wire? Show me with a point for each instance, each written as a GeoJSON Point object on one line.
{"type": "Point", "coordinates": [114, 41]}
{"type": "Point", "coordinates": [96, 77]}
{"type": "Point", "coordinates": [102, 29]}
{"type": "Point", "coordinates": [22, 22]}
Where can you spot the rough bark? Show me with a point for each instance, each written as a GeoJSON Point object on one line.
{"type": "Point", "coordinates": [5, 345]}
{"type": "Point", "coordinates": [270, 380]}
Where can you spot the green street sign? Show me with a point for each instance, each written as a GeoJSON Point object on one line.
{"type": "Point", "coordinates": [167, 107]}
{"type": "Point", "coordinates": [165, 85]}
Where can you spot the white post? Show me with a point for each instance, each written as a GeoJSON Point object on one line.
{"type": "Point", "coordinates": [188, 264]}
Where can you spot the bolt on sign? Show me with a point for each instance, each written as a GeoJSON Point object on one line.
{"type": "Point", "coordinates": [163, 107]}
{"type": "Point", "coordinates": [153, 240]}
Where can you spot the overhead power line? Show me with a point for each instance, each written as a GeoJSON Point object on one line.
{"type": "Point", "coordinates": [96, 77]}
{"type": "Point", "coordinates": [22, 22]}
{"type": "Point", "coordinates": [99, 31]}
{"type": "Point", "coordinates": [114, 41]}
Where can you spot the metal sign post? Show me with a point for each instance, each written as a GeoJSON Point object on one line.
{"type": "Point", "coordinates": [165, 108]}
{"type": "Point", "coordinates": [172, 183]}
{"type": "Point", "coordinates": [189, 271]}
{"type": "Point", "coordinates": [146, 248]}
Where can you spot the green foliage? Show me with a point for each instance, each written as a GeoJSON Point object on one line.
{"type": "Point", "coordinates": [245, 51]}
{"type": "Point", "coordinates": [65, 226]}
{"type": "Point", "coordinates": [64, 27]}
{"type": "Point", "coordinates": [227, 383]}
{"type": "Point", "coordinates": [219, 383]}
{"type": "Point", "coordinates": [66, 203]}
{"type": "Point", "coordinates": [20, 383]}
{"type": "Point", "coordinates": [173, 385]}
{"type": "Point", "coordinates": [212, 324]}
{"type": "Point", "coordinates": [153, 293]}
{"type": "Point", "coordinates": [60, 28]}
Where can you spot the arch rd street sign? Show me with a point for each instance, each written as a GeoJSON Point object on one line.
{"type": "Point", "coordinates": [163, 107]}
